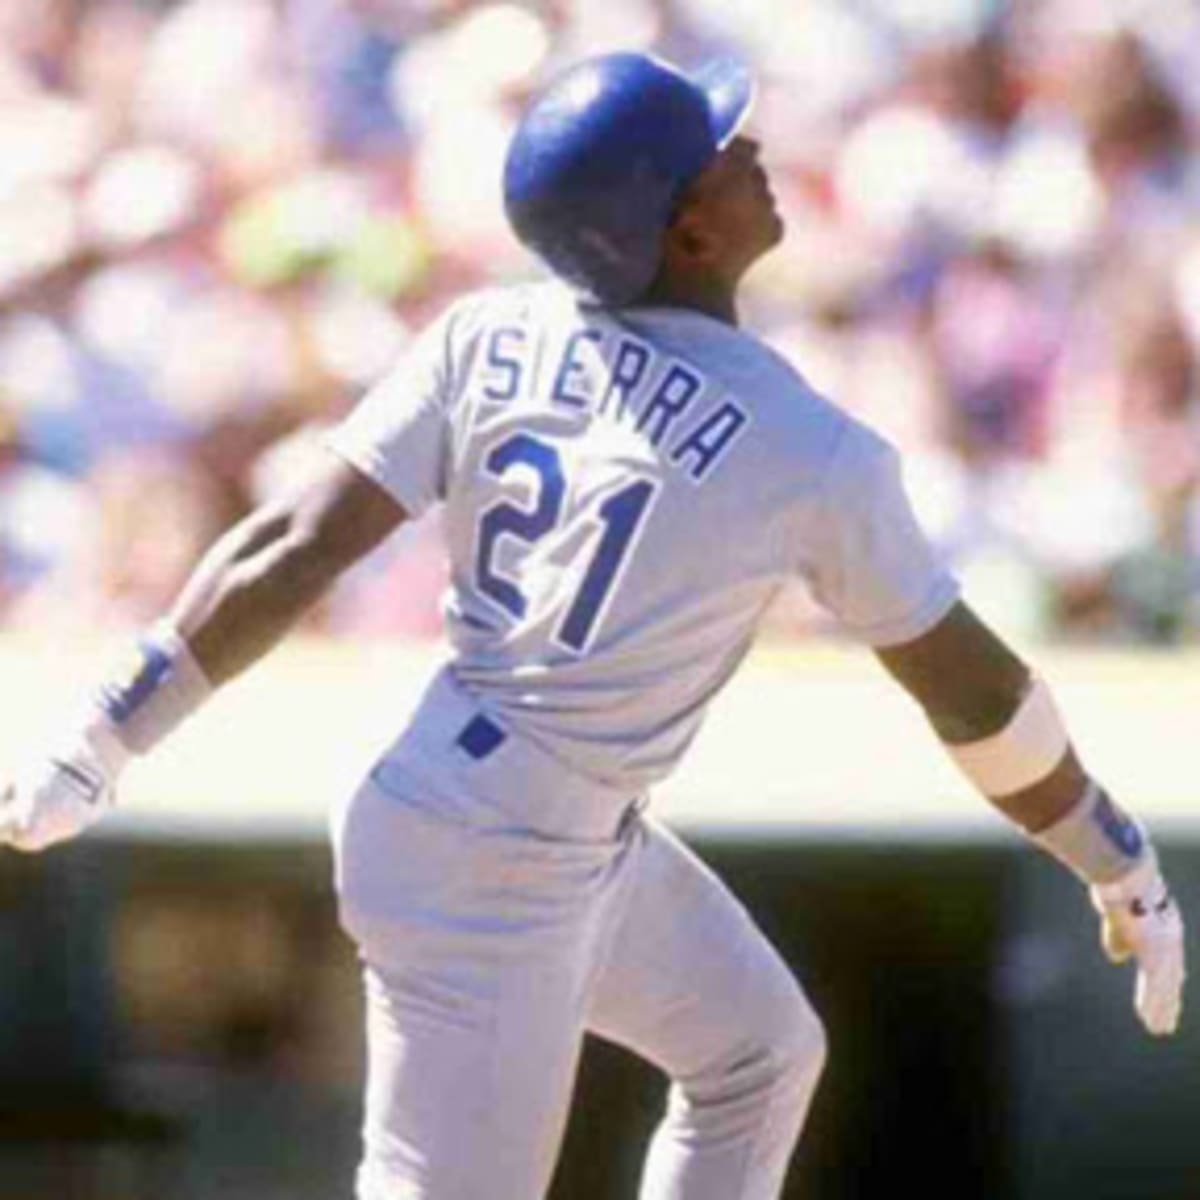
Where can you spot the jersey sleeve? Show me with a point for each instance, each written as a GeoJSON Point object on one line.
{"type": "Point", "coordinates": [398, 433]}
{"type": "Point", "coordinates": [873, 568]}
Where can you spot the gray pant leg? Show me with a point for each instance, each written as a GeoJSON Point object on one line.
{"type": "Point", "coordinates": [692, 985]}
{"type": "Point", "coordinates": [479, 945]}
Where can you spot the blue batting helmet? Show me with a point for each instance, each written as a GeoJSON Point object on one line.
{"type": "Point", "coordinates": [600, 158]}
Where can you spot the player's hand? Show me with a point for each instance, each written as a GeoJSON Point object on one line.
{"type": "Point", "coordinates": [1140, 920]}
{"type": "Point", "coordinates": [55, 797]}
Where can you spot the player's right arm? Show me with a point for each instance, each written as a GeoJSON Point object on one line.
{"type": "Point", "coordinates": [997, 719]}
{"type": "Point", "coordinates": [871, 565]}
{"type": "Point", "coordinates": [970, 686]}
{"type": "Point", "coordinates": [245, 594]}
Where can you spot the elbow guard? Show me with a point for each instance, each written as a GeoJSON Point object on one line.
{"type": "Point", "coordinates": [1021, 754]}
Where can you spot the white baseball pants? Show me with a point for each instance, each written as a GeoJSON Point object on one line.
{"type": "Point", "coordinates": [490, 947]}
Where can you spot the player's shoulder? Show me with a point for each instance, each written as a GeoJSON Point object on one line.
{"type": "Point", "coordinates": [860, 462]}
{"type": "Point", "coordinates": [461, 322]}
{"type": "Point", "coordinates": [486, 306]}
{"type": "Point", "coordinates": [808, 427]}
{"type": "Point", "coordinates": [740, 361]}
{"type": "Point", "coordinates": [797, 418]}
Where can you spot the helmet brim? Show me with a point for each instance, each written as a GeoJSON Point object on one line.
{"type": "Point", "coordinates": [729, 88]}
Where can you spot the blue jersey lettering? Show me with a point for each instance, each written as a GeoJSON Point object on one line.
{"type": "Point", "coordinates": [675, 392]}
{"type": "Point", "coordinates": [504, 364]}
{"type": "Point", "coordinates": [710, 439]}
{"type": "Point", "coordinates": [571, 365]}
{"type": "Point", "coordinates": [629, 369]}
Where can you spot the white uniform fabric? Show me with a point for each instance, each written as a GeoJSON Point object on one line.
{"type": "Point", "coordinates": [623, 496]}
{"type": "Point", "coordinates": [753, 479]}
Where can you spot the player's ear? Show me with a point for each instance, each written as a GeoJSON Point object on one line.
{"type": "Point", "coordinates": [689, 241]}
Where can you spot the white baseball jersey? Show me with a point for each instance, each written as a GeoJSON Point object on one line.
{"type": "Point", "coordinates": [624, 495]}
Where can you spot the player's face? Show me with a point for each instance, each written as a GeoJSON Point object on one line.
{"type": "Point", "coordinates": [732, 203]}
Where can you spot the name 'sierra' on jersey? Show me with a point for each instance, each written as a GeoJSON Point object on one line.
{"type": "Point", "coordinates": [618, 378]}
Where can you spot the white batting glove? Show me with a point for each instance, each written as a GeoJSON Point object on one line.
{"type": "Point", "coordinates": [59, 794]}
{"type": "Point", "coordinates": [1140, 920]}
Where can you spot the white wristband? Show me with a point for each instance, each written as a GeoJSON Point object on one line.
{"type": "Point", "coordinates": [1024, 752]}
{"type": "Point", "coordinates": [1096, 840]}
{"type": "Point", "coordinates": [159, 689]}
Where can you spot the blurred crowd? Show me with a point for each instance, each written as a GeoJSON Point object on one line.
{"type": "Point", "coordinates": [221, 219]}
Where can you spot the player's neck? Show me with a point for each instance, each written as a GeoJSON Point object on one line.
{"type": "Point", "coordinates": [714, 298]}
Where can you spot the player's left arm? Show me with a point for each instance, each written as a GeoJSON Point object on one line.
{"type": "Point", "coordinates": [250, 588]}
{"type": "Point", "coordinates": [262, 576]}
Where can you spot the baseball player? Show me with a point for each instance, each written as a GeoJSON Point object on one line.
{"type": "Point", "coordinates": [627, 479]}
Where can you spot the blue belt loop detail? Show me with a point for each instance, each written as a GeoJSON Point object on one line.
{"type": "Point", "coordinates": [480, 736]}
